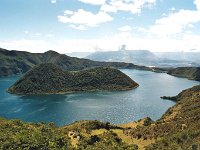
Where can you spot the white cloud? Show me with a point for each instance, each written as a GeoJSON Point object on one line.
{"type": "Point", "coordinates": [78, 27]}
{"type": "Point", "coordinates": [37, 34]}
{"type": "Point", "coordinates": [142, 29]}
{"type": "Point", "coordinates": [176, 22]}
{"type": "Point", "coordinates": [53, 1]}
{"type": "Point", "coordinates": [113, 42]}
{"type": "Point", "coordinates": [197, 3]}
{"type": "Point", "coordinates": [83, 19]}
{"type": "Point", "coordinates": [50, 35]}
{"type": "Point", "coordinates": [26, 32]}
{"type": "Point", "coordinates": [172, 32]}
{"type": "Point", "coordinates": [68, 12]}
{"type": "Point", "coordinates": [109, 8]}
{"type": "Point", "coordinates": [93, 2]}
{"type": "Point", "coordinates": [125, 29]}
{"type": "Point", "coordinates": [35, 46]}
{"type": "Point", "coordinates": [133, 6]}
{"type": "Point", "coordinates": [109, 42]}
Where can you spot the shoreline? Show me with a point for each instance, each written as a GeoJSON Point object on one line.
{"type": "Point", "coordinates": [74, 92]}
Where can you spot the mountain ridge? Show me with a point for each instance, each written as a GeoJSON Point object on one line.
{"type": "Point", "coordinates": [18, 62]}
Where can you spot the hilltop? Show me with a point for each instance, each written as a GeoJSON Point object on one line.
{"type": "Point", "coordinates": [18, 62]}
{"type": "Point", "coordinates": [50, 79]}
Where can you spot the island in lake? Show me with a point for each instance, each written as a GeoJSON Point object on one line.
{"type": "Point", "coordinates": [48, 78]}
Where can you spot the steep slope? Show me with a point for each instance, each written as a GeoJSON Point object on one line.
{"type": "Point", "coordinates": [179, 127]}
{"type": "Point", "coordinates": [192, 73]}
{"type": "Point", "coordinates": [18, 62]}
{"type": "Point", "coordinates": [50, 79]}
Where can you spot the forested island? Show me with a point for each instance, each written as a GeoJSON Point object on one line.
{"type": "Point", "coordinates": [48, 78]}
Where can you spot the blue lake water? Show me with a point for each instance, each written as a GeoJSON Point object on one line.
{"type": "Point", "coordinates": [115, 107]}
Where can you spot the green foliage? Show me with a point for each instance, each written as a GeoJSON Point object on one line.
{"type": "Point", "coordinates": [15, 134]}
{"type": "Point", "coordinates": [147, 121]}
{"type": "Point", "coordinates": [89, 125]}
{"type": "Point", "coordinates": [109, 140]}
{"type": "Point", "coordinates": [188, 139]}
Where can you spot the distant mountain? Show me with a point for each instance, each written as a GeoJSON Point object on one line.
{"type": "Point", "coordinates": [18, 62]}
{"type": "Point", "coordinates": [140, 57]}
{"type": "Point", "coordinates": [49, 79]}
{"type": "Point", "coordinates": [192, 73]}
{"type": "Point", "coordinates": [79, 54]}
{"type": "Point", "coordinates": [180, 56]}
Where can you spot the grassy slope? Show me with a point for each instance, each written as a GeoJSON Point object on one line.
{"type": "Point", "coordinates": [15, 134]}
{"type": "Point", "coordinates": [179, 127]}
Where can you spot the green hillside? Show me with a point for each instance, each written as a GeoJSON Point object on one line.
{"type": "Point", "coordinates": [178, 128]}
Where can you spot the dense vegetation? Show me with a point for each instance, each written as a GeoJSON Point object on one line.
{"type": "Point", "coordinates": [18, 62]}
{"type": "Point", "coordinates": [15, 134]}
{"type": "Point", "coordinates": [50, 79]}
{"type": "Point", "coordinates": [192, 73]}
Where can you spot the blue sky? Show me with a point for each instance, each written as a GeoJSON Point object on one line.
{"type": "Point", "coordinates": [94, 25]}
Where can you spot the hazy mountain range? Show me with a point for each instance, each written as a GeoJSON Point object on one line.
{"type": "Point", "coordinates": [144, 57]}
{"type": "Point", "coordinates": [180, 56]}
